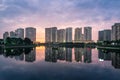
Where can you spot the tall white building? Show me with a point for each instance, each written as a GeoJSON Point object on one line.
{"type": "Point", "coordinates": [88, 33]}
{"type": "Point", "coordinates": [116, 31]}
{"type": "Point", "coordinates": [69, 34]}
{"type": "Point", "coordinates": [51, 35]}
{"type": "Point", "coordinates": [48, 33]}
{"type": "Point", "coordinates": [31, 33]}
{"type": "Point", "coordinates": [5, 35]}
{"type": "Point", "coordinates": [20, 33]}
{"type": "Point", "coordinates": [78, 34]}
{"type": "Point", "coordinates": [61, 35]}
{"type": "Point", "coordinates": [54, 34]}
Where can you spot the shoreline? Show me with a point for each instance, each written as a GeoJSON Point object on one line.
{"type": "Point", "coordinates": [113, 48]}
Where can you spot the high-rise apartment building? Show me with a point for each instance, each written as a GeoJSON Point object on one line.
{"type": "Point", "coordinates": [31, 33]}
{"type": "Point", "coordinates": [104, 35]}
{"type": "Point", "coordinates": [5, 35]}
{"type": "Point", "coordinates": [61, 35]}
{"type": "Point", "coordinates": [69, 35]}
{"type": "Point", "coordinates": [48, 33]}
{"type": "Point", "coordinates": [54, 34]}
{"type": "Point", "coordinates": [88, 33]}
{"type": "Point", "coordinates": [78, 35]}
{"type": "Point", "coordinates": [13, 34]}
{"type": "Point", "coordinates": [101, 35]}
{"type": "Point", "coordinates": [20, 33]}
{"type": "Point", "coordinates": [107, 35]}
{"type": "Point", "coordinates": [116, 31]}
{"type": "Point", "coordinates": [51, 35]}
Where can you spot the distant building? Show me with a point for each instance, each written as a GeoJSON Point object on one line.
{"type": "Point", "coordinates": [82, 37]}
{"type": "Point", "coordinates": [51, 35]}
{"type": "Point", "coordinates": [5, 35]}
{"type": "Point", "coordinates": [105, 35]}
{"type": "Point", "coordinates": [61, 35]}
{"type": "Point", "coordinates": [88, 33]}
{"type": "Point", "coordinates": [116, 31]}
{"type": "Point", "coordinates": [78, 35]}
{"type": "Point", "coordinates": [13, 34]}
{"type": "Point", "coordinates": [54, 34]}
{"type": "Point", "coordinates": [101, 36]}
{"type": "Point", "coordinates": [20, 33]}
{"type": "Point", "coordinates": [31, 33]}
{"type": "Point", "coordinates": [69, 35]}
{"type": "Point", "coordinates": [48, 33]}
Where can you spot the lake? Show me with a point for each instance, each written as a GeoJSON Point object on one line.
{"type": "Point", "coordinates": [47, 63]}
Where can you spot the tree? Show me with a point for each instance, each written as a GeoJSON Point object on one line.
{"type": "Point", "coordinates": [27, 41]}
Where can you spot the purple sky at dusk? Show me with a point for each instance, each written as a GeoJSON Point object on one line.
{"type": "Point", "coordinates": [99, 14]}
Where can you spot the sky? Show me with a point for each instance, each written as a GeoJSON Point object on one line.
{"type": "Point", "coordinates": [41, 14]}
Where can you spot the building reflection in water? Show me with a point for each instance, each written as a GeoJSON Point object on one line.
{"type": "Point", "coordinates": [20, 54]}
{"type": "Point", "coordinates": [87, 55]}
{"type": "Point", "coordinates": [51, 54]}
{"type": "Point", "coordinates": [65, 54]}
{"type": "Point", "coordinates": [78, 54]}
{"type": "Point", "coordinates": [69, 54]}
{"type": "Point", "coordinates": [104, 55]}
{"type": "Point", "coordinates": [31, 56]}
{"type": "Point", "coordinates": [83, 55]}
{"type": "Point", "coordinates": [61, 53]}
{"type": "Point", "coordinates": [20, 57]}
{"type": "Point", "coordinates": [116, 60]}
{"type": "Point", "coordinates": [112, 56]}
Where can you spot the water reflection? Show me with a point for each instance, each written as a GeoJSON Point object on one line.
{"type": "Point", "coordinates": [116, 60]}
{"type": "Point", "coordinates": [87, 55]}
{"type": "Point", "coordinates": [20, 54]}
{"type": "Point", "coordinates": [79, 55]}
{"type": "Point", "coordinates": [110, 55]}
{"type": "Point", "coordinates": [65, 54]}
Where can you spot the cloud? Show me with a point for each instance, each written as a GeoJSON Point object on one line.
{"type": "Point", "coordinates": [61, 13]}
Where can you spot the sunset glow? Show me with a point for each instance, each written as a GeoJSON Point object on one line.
{"type": "Point", "coordinates": [59, 13]}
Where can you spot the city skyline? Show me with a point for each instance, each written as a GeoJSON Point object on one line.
{"type": "Point", "coordinates": [53, 34]}
{"type": "Point", "coordinates": [62, 14]}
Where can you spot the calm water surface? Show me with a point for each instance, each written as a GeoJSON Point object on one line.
{"type": "Point", "coordinates": [46, 63]}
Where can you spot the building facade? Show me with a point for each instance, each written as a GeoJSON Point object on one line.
{"type": "Point", "coordinates": [5, 35]}
{"type": "Point", "coordinates": [13, 34]}
{"type": "Point", "coordinates": [48, 33]}
{"type": "Point", "coordinates": [31, 33]}
{"type": "Point", "coordinates": [104, 35]}
{"type": "Point", "coordinates": [78, 35]}
{"type": "Point", "coordinates": [20, 33]}
{"type": "Point", "coordinates": [54, 34]}
{"type": "Point", "coordinates": [88, 33]}
{"type": "Point", "coordinates": [61, 35]}
{"type": "Point", "coordinates": [51, 35]}
{"type": "Point", "coordinates": [116, 31]}
{"type": "Point", "coordinates": [69, 35]}
{"type": "Point", "coordinates": [101, 35]}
